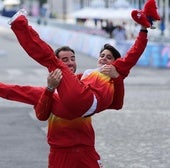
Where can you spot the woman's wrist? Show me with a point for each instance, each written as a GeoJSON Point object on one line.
{"type": "Point", "coordinates": [143, 29]}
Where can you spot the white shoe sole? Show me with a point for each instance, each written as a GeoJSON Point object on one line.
{"type": "Point", "coordinates": [19, 13]}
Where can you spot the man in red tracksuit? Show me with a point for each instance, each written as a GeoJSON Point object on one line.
{"type": "Point", "coordinates": [72, 140]}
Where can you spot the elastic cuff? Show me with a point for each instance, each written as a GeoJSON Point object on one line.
{"type": "Point", "coordinates": [144, 30]}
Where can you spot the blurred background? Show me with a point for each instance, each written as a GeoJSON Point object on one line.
{"type": "Point", "coordinates": [108, 19]}
{"type": "Point", "coordinates": [91, 13]}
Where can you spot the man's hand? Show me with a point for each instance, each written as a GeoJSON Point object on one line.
{"type": "Point", "coordinates": [54, 78]}
{"type": "Point", "coordinates": [109, 70]}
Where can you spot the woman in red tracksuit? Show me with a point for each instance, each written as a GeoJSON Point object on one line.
{"type": "Point", "coordinates": [95, 86]}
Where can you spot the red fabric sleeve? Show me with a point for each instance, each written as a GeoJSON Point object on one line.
{"type": "Point", "coordinates": [79, 75]}
{"type": "Point", "coordinates": [44, 105]}
{"type": "Point", "coordinates": [118, 98]}
{"type": "Point", "coordinates": [124, 64]}
{"type": "Point", "coordinates": [25, 94]}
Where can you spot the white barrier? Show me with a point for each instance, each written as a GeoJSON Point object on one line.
{"type": "Point", "coordinates": [156, 55]}
{"type": "Point", "coordinates": [82, 42]}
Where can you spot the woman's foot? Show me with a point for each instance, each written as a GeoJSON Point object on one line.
{"type": "Point", "coordinates": [140, 18]}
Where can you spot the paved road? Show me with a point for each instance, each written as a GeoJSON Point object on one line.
{"type": "Point", "coordinates": [138, 136]}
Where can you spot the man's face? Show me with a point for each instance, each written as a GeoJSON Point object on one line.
{"type": "Point", "coordinates": [105, 57]}
{"type": "Point", "coordinates": [68, 58]}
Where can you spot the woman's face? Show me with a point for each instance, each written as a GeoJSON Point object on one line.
{"type": "Point", "coordinates": [105, 57]}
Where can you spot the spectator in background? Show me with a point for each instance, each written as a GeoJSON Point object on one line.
{"type": "Point", "coordinates": [134, 31]}
{"type": "Point", "coordinates": [162, 25]}
{"type": "Point", "coordinates": [119, 33]}
{"type": "Point", "coordinates": [43, 14]}
{"type": "Point", "coordinates": [109, 28]}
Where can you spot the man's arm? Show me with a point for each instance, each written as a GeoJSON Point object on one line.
{"type": "Point", "coordinates": [44, 105]}
{"type": "Point", "coordinates": [24, 94]}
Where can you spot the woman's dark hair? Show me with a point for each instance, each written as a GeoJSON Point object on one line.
{"type": "Point", "coordinates": [113, 50]}
{"type": "Point", "coordinates": [63, 48]}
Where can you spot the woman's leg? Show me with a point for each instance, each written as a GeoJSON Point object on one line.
{"type": "Point", "coordinates": [32, 44]}
{"type": "Point", "coordinates": [73, 94]}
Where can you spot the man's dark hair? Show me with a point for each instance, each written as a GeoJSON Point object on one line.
{"type": "Point", "coordinates": [63, 48]}
{"type": "Point", "coordinates": [113, 50]}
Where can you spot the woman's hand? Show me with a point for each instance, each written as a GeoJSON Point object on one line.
{"type": "Point", "coordinates": [109, 70]}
